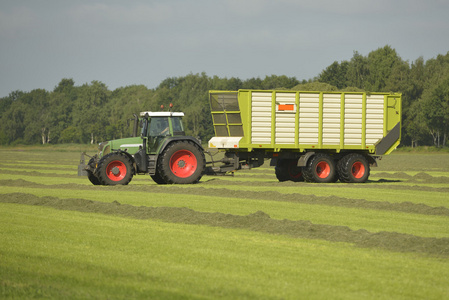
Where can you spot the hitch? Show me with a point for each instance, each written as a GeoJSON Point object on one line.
{"type": "Point", "coordinates": [82, 166]}
{"type": "Point", "coordinates": [229, 164]}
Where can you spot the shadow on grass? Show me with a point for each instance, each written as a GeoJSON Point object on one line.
{"type": "Point", "coordinates": [259, 222]}
{"type": "Point", "coordinates": [406, 207]}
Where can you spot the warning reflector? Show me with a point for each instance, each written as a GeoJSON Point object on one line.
{"type": "Point", "coordinates": [286, 107]}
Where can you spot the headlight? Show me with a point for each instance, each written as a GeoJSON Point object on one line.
{"type": "Point", "coordinates": [101, 146]}
{"type": "Point", "coordinates": [106, 150]}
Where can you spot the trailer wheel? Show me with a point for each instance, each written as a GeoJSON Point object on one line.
{"type": "Point", "coordinates": [115, 168]}
{"type": "Point", "coordinates": [353, 167]}
{"type": "Point", "coordinates": [320, 168]}
{"type": "Point", "coordinates": [287, 169]}
{"type": "Point", "coordinates": [181, 162]}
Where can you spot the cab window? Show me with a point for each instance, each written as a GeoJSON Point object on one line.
{"type": "Point", "coordinates": [177, 126]}
{"type": "Point", "coordinates": [159, 126]}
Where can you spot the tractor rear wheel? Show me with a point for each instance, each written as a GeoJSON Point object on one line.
{"type": "Point", "coordinates": [115, 168]}
{"type": "Point", "coordinates": [353, 167]}
{"type": "Point", "coordinates": [157, 178]}
{"type": "Point", "coordinates": [181, 162]}
{"type": "Point", "coordinates": [320, 168]}
{"type": "Point", "coordinates": [287, 169]}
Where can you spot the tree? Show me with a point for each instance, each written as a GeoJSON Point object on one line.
{"type": "Point", "coordinates": [65, 86]}
{"type": "Point", "coordinates": [90, 110]}
{"type": "Point", "coordinates": [335, 74]}
{"type": "Point", "coordinates": [315, 86]}
{"type": "Point", "coordinates": [278, 82]}
{"type": "Point", "coordinates": [13, 125]}
{"type": "Point", "coordinates": [358, 71]}
{"type": "Point", "coordinates": [435, 108]}
{"type": "Point", "coordinates": [71, 135]}
{"type": "Point", "coordinates": [381, 64]}
{"type": "Point", "coordinates": [415, 123]}
{"type": "Point", "coordinates": [34, 122]}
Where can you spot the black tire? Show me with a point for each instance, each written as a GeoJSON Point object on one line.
{"type": "Point", "coordinates": [320, 168]}
{"type": "Point", "coordinates": [182, 162]}
{"type": "Point", "coordinates": [157, 178]}
{"type": "Point", "coordinates": [114, 169]}
{"type": "Point", "coordinates": [353, 168]}
{"type": "Point", "coordinates": [91, 176]}
{"type": "Point", "coordinates": [287, 169]}
{"type": "Point", "coordinates": [93, 179]}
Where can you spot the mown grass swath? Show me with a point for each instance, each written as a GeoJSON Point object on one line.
{"type": "Point", "coordinates": [247, 236]}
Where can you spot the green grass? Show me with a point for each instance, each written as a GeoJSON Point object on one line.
{"type": "Point", "coordinates": [60, 253]}
{"type": "Point", "coordinates": [374, 221]}
{"type": "Point", "coordinates": [57, 254]}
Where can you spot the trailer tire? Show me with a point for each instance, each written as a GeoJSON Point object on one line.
{"type": "Point", "coordinates": [353, 168]}
{"type": "Point", "coordinates": [114, 169]}
{"type": "Point", "coordinates": [320, 168]}
{"type": "Point", "coordinates": [287, 169]}
{"type": "Point", "coordinates": [182, 162]}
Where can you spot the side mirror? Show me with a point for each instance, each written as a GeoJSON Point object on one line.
{"type": "Point", "coordinates": [144, 132]}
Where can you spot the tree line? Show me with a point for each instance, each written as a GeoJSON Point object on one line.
{"type": "Point", "coordinates": [91, 113]}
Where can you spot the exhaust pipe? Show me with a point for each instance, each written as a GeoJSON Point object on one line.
{"type": "Point", "coordinates": [136, 124]}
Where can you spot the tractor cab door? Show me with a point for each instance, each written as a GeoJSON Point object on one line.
{"type": "Point", "coordinates": [159, 129]}
{"type": "Point", "coordinates": [176, 125]}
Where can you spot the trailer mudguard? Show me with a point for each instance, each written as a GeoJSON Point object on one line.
{"type": "Point", "coordinates": [392, 138]}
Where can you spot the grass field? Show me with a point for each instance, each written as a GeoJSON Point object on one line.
{"type": "Point", "coordinates": [242, 237]}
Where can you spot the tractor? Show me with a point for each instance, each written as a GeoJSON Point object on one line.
{"type": "Point", "coordinates": [162, 150]}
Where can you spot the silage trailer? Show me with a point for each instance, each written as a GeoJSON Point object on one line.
{"type": "Point", "coordinates": [316, 136]}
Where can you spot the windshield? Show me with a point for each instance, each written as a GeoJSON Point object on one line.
{"type": "Point", "coordinates": [159, 126]}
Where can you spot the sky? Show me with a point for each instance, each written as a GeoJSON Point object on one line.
{"type": "Point", "coordinates": [123, 43]}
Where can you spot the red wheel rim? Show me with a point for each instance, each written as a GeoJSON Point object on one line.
{"type": "Point", "coordinates": [116, 170]}
{"type": "Point", "coordinates": [358, 169]}
{"type": "Point", "coordinates": [323, 169]}
{"type": "Point", "coordinates": [183, 163]}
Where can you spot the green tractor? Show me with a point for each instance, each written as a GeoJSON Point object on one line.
{"type": "Point", "coordinates": [162, 150]}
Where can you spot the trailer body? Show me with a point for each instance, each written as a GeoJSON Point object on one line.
{"type": "Point", "coordinates": [295, 125]}
{"type": "Point", "coordinates": [300, 121]}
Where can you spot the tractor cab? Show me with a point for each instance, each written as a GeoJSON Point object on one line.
{"type": "Point", "coordinates": [157, 126]}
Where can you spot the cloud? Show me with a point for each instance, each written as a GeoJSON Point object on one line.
{"type": "Point", "coordinates": [128, 13]}
{"type": "Point", "coordinates": [16, 20]}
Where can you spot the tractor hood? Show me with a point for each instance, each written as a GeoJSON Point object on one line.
{"type": "Point", "coordinates": [130, 145]}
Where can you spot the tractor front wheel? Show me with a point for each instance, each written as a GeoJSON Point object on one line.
{"type": "Point", "coordinates": [181, 162]}
{"type": "Point", "coordinates": [93, 179]}
{"type": "Point", "coordinates": [114, 169]}
{"type": "Point", "coordinates": [91, 176]}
